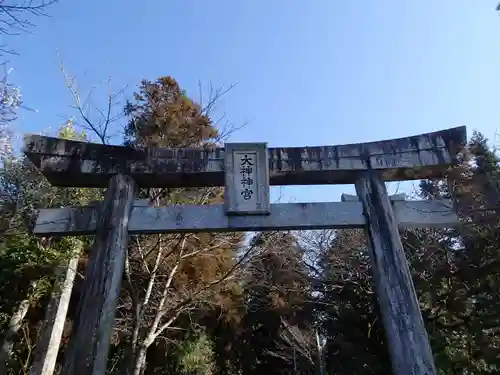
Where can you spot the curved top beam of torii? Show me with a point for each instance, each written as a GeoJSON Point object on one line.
{"type": "Point", "coordinates": [79, 164]}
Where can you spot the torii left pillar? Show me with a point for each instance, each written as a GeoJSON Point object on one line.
{"type": "Point", "coordinates": [89, 344]}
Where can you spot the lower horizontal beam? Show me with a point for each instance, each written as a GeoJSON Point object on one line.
{"type": "Point", "coordinates": [211, 218]}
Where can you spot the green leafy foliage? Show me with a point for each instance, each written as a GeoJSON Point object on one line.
{"type": "Point", "coordinates": [28, 263]}
{"type": "Point", "coordinates": [196, 356]}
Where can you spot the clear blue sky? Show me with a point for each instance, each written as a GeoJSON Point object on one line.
{"type": "Point", "coordinates": [308, 72]}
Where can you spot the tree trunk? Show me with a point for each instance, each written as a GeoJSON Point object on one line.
{"type": "Point", "coordinates": [89, 346]}
{"type": "Point", "coordinates": [47, 347]}
{"type": "Point", "coordinates": [140, 361]}
{"type": "Point", "coordinates": [12, 330]}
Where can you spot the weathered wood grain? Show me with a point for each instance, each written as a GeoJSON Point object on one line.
{"type": "Point", "coordinates": [355, 198]}
{"type": "Point", "coordinates": [79, 164]}
{"type": "Point", "coordinates": [89, 344]}
{"type": "Point", "coordinates": [405, 331]}
{"type": "Point", "coordinates": [284, 216]}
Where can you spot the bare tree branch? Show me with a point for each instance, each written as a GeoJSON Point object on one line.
{"type": "Point", "coordinates": [94, 118]}
{"type": "Point", "coordinates": [294, 342]}
{"type": "Point", "coordinates": [14, 15]}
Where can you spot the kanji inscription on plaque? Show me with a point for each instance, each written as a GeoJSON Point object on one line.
{"type": "Point", "coordinates": [247, 179]}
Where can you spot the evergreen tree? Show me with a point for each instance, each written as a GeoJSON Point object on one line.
{"type": "Point", "coordinates": [278, 298]}
{"type": "Point", "coordinates": [172, 280]}
{"type": "Point", "coordinates": [28, 264]}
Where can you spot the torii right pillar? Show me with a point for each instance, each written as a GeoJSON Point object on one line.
{"type": "Point", "coordinates": [405, 331]}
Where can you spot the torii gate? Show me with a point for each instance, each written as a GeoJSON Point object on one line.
{"type": "Point", "coordinates": [247, 170]}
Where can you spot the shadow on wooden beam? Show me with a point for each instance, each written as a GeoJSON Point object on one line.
{"type": "Point", "coordinates": [211, 218]}
{"type": "Point", "coordinates": [79, 164]}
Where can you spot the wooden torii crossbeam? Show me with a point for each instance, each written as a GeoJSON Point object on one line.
{"type": "Point", "coordinates": [247, 171]}
{"type": "Point", "coordinates": [80, 164]}
{"type": "Point", "coordinates": [71, 221]}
